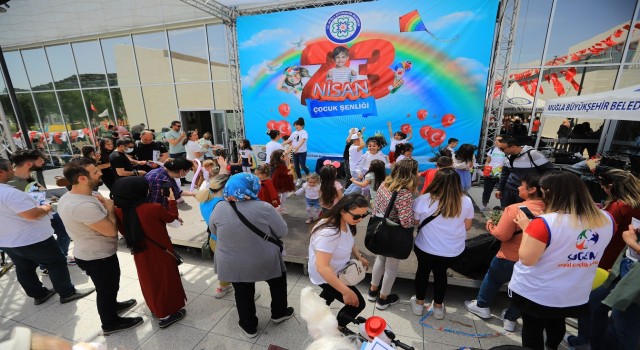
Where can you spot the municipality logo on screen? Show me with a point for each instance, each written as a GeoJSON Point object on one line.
{"type": "Point", "coordinates": [343, 27]}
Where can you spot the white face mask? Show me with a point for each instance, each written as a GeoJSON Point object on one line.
{"type": "Point", "coordinates": [128, 150]}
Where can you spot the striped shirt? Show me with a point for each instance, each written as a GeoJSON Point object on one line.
{"type": "Point", "coordinates": [17, 231]}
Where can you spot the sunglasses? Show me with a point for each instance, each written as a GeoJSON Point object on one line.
{"type": "Point", "coordinates": [358, 217]}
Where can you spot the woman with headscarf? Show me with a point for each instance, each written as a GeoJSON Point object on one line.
{"type": "Point", "coordinates": [249, 249]}
{"type": "Point", "coordinates": [151, 247]}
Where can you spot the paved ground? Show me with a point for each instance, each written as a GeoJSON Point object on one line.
{"type": "Point", "coordinates": [212, 323]}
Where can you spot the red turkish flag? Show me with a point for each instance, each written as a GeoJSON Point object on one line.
{"type": "Point", "coordinates": [618, 32]}
{"type": "Point", "coordinates": [609, 42]}
{"type": "Point", "coordinates": [93, 108]}
{"type": "Point", "coordinates": [497, 89]}
{"type": "Point", "coordinates": [557, 85]}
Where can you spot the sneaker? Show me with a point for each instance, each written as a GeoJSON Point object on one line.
{"type": "Point", "coordinates": [308, 221]}
{"type": "Point", "coordinates": [418, 309]}
{"type": "Point", "coordinates": [79, 293]}
{"type": "Point", "coordinates": [122, 324]}
{"type": "Point", "coordinates": [287, 315]}
{"type": "Point", "coordinates": [42, 300]}
{"type": "Point", "coordinates": [71, 261]}
{"type": "Point", "coordinates": [221, 292]}
{"type": "Point", "coordinates": [125, 305]}
{"type": "Point", "coordinates": [485, 208]}
{"type": "Point", "coordinates": [173, 318]}
{"type": "Point", "coordinates": [438, 313]}
{"type": "Point", "coordinates": [373, 296]}
{"type": "Point", "coordinates": [392, 299]}
{"type": "Point", "coordinates": [508, 325]}
{"type": "Point", "coordinates": [572, 342]}
{"type": "Point", "coordinates": [251, 333]}
{"type": "Point", "coordinates": [472, 307]}
{"type": "Point", "coordinates": [299, 183]}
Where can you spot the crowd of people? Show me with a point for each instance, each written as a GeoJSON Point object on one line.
{"type": "Point", "coordinates": [548, 259]}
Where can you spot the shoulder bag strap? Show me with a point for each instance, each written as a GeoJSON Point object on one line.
{"type": "Point", "coordinates": [390, 205]}
{"type": "Point", "coordinates": [428, 220]}
{"type": "Point", "coordinates": [161, 247]}
{"type": "Point", "coordinates": [257, 231]}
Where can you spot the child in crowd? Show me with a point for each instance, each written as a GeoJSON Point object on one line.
{"type": "Point", "coordinates": [282, 177]}
{"type": "Point", "coordinates": [397, 138]}
{"type": "Point", "coordinates": [210, 169]}
{"type": "Point", "coordinates": [404, 151]}
{"type": "Point", "coordinates": [311, 190]}
{"type": "Point", "coordinates": [374, 145]}
{"type": "Point", "coordinates": [246, 154]}
{"type": "Point", "coordinates": [451, 146]}
{"type": "Point", "coordinates": [372, 180]}
{"type": "Point", "coordinates": [354, 151]}
{"type": "Point", "coordinates": [330, 189]}
{"type": "Point", "coordinates": [463, 161]}
{"type": "Point", "coordinates": [267, 192]}
{"type": "Point", "coordinates": [341, 73]}
{"type": "Point", "coordinates": [441, 163]}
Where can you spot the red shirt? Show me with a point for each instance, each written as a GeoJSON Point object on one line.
{"type": "Point", "coordinates": [268, 193]}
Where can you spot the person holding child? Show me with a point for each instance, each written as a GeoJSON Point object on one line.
{"type": "Point", "coordinates": [404, 181]}
{"type": "Point", "coordinates": [311, 190]}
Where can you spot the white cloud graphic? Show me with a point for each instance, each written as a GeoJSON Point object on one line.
{"type": "Point", "coordinates": [252, 74]}
{"type": "Point", "coordinates": [476, 71]}
{"type": "Point", "coordinates": [450, 19]}
{"type": "Point", "coordinates": [265, 36]}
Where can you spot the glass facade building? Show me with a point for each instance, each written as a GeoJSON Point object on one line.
{"type": "Point", "coordinates": [68, 93]}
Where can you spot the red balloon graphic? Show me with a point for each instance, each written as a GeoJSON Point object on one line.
{"type": "Point", "coordinates": [272, 125]}
{"type": "Point", "coordinates": [284, 127]}
{"type": "Point", "coordinates": [405, 128]}
{"type": "Point", "coordinates": [284, 109]}
{"type": "Point", "coordinates": [422, 114]}
{"type": "Point", "coordinates": [424, 130]}
{"type": "Point", "coordinates": [435, 137]}
{"type": "Point", "coordinates": [448, 119]}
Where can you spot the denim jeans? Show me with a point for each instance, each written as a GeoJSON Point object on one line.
{"type": "Point", "coordinates": [499, 273]}
{"type": "Point", "coordinates": [61, 234]}
{"type": "Point", "coordinates": [620, 330]}
{"type": "Point", "coordinates": [47, 253]}
{"type": "Point", "coordinates": [300, 161]}
{"type": "Point", "coordinates": [105, 275]}
{"type": "Point", "coordinates": [313, 207]}
{"type": "Point", "coordinates": [353, 188]}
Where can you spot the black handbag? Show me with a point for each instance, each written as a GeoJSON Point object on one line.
{"type": "Point", "coordinates": [388, 240]}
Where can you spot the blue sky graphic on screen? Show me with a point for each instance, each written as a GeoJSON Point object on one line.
{"type": "Point", "coordinates": [422, 66]}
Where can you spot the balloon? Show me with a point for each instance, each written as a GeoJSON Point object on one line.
{"type": "Point", "coordinates": [271, 125]}
{"type": "Point", "coordinates": [448, 119]}
{"type": "Point", "coordinates": [422, 114]}
{"type": "Point", "coordinates": [424, 130]}
{"type": "Point", "coordinates": [600, 277]}
{"type": "Point", "coordinates": [284, 109]}
{"type": "Point", "coordinates": [435, 137]}
{"type": "Point", "coordinates": [405, 128]}
{"type": "Point", "coordinates": [284, 127]}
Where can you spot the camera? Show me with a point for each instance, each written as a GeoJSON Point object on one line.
{"type": "Point", "coordinates": [165, 186]}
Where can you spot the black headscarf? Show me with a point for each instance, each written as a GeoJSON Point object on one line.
{"type": "Point", "coordinates": [128, 193]}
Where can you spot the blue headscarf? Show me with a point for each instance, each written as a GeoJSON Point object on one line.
{"type": "Point", "coordinates": [241, 185]}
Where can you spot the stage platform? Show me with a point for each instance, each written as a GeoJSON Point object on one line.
{"type": "Point", "coordinates": [193, 233]}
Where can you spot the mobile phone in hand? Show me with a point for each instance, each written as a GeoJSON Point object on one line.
{"type": "Point", "coordinates": [527, 212]}
{"type": "Point", "coordinates": [636, 223]}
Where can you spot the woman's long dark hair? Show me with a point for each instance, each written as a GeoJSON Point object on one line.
{"type": "Point", "coordinates": [377, 168]}
{"type": "Point", "coordinates": [187, 137]}
{"type": "Point", "coordinates": [333, 217]}
{"type": "Point", "coordinates": [104, 152]}
{"type": "Point", "coordinates": [128, 193]}
{"type": "Point", "coordinates": [328, 192]}
{"type": "Point", "coordinates": [465, 153]}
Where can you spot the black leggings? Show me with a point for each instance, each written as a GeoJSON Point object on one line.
{"type": "Point", "coordinates": [329, 294]}
{"type": "Point", "coordinates": [439, 265]}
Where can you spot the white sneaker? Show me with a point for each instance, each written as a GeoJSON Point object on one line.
{"type": "Point", "coordinates": [472, 307]}
{"type": "Point", "coordinates": [221, 292]}
{"type": "Point", "coordinates": [508, 325]}
{"type": "Point", "coordinates": [299, 182]}
{"type": "Point", "coordinates": [438, 313]}
{"type": "Point", "coordinates": [418, 309]}
{"type": "Point", "coordinates": [485, 208]}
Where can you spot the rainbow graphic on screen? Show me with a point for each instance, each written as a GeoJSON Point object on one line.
{"type": "Point", "coordinates": [412, 22]}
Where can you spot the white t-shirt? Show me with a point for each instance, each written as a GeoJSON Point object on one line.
{"type": "Point", "coordinates": [310, 192]}
{"type": "Point", "coordinates": [17, 231]}
{"type": "Point", "coordinates": [270, 147]}
{"type": "Point", "coordinates": [191, 147]}
{"type": "Point", "coordinates": [497, 157]}
{"type": "Point", "coordinates": [394, 143]}
{"type": "Point", "coordinates": [297, 137]}
{"type": "Point", "coordinates": [354, 157]}
{"type": "Point", "coordinates": [328, 241]}
{"type": "Point", "coordinates": [442, 236]}
{"type": "Point", "coordinates": [246, 153]}
{"type": "Point", "coordinates": [365, 161]}
{"type": "Point", "coordinates": [400, 157]}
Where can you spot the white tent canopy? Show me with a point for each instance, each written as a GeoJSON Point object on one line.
{"type": "Point", "coordinates": [516, 99]}
{"type": "Point", "coordinates": [620, 104]}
